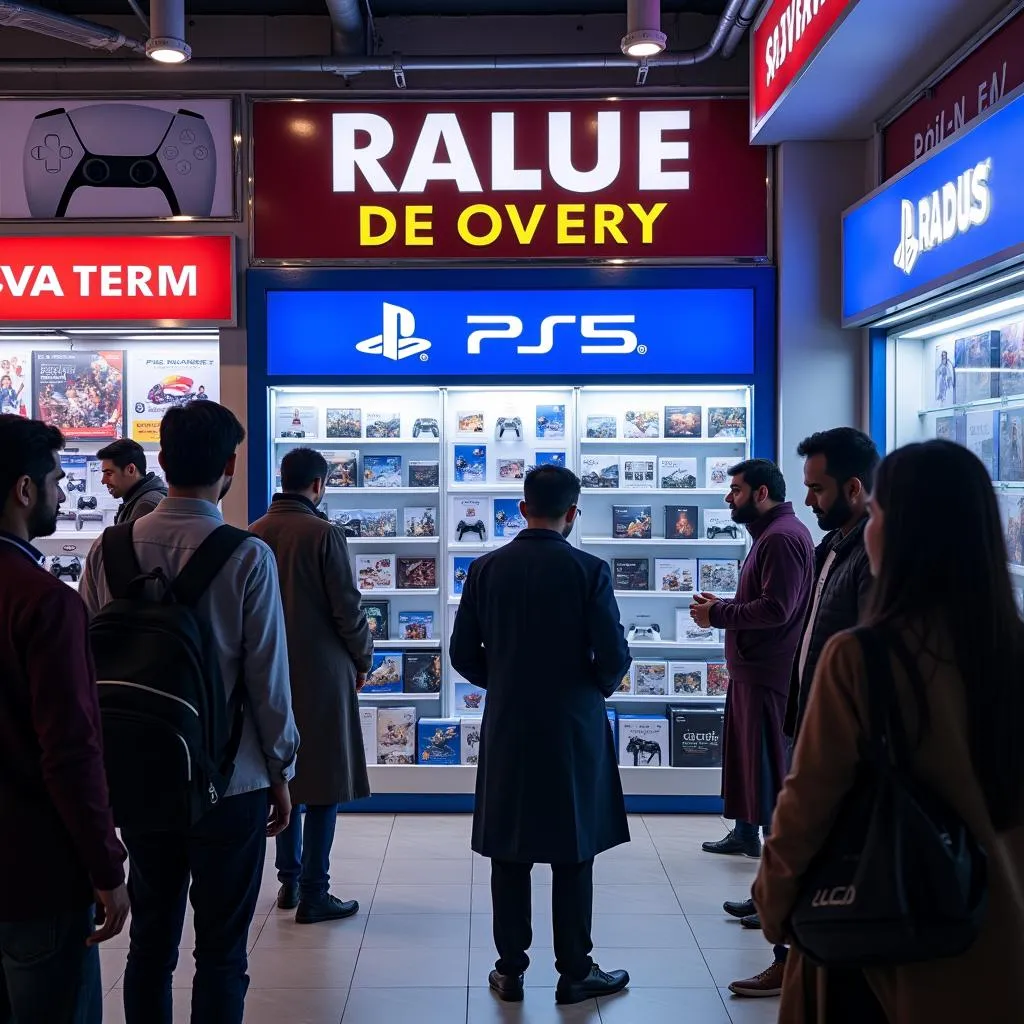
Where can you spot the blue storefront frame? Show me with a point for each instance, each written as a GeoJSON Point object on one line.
{"type": "Point", "coordinates": [761, 373]}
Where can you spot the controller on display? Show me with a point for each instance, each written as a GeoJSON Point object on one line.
{"type": "Point", "coordinates": [89, 502]}
{"type": "Point", "coordinates": [512, 423]}
{"type": "Point", "coordinates": [425, 425]}
{"type": "Point", "coordinates": [294, 433]}
{"type": "Point", "coordinates": [73, 484]}
{"type": "Point", "coordinates": [476, 527]}
{"type": "Point", "coordinates": [644, 632]}
{"type": "Point", "coordinates": [121, 145]}
{"type": "Point", "coordinates": [72, 568]}
{"type": "Point", "coordinates": [725, 530]}
{"type": "Point", "coordinates": [88, 517]}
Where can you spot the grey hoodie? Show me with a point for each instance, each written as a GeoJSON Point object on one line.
{"type": "Point", "coordinates": [141, 499]}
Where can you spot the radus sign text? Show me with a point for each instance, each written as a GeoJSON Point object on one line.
{"type": "Point", "coordinates": [658, 179]}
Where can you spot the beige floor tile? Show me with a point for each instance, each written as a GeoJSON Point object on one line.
{"type": "Point", "coordinates": [429, 968]}
{"type": "Point", "coordinates": [404, 1006]}
{"type": "Point", "coordinates": [537, 1008]}
{"type": "Point", "coordinates": [635, 899]}
{"type": "Point", "coordinates": [398, 871]}
{"type": "Point", "coordinates": [483, 929]}
{"type": "Point", "coordinates": [636, 871]}
{"type": "Point", "coordinates": [310, 968]}
{"type": "Point", "coordinates": [354, 870]}
{"type": "Point", "coordinates": [664, 1006]}
{"type": "Point", "coordinates": [750, 1011]}
{"type": "Point", "coordinates": [657, 968]}
{"type": "Point", "coordinates": [733, 874]}
{"type": "Point", "coordinates": [729, 965]}
{"type": "Point", "coordinates": [428, 846]}
{"type": "Point", "coordinates": [368, 848]}
{"type": "Point", "coordinates": [643, 931]}
{"type": "Point", "coordinates": [294, 1005]}
{"type": "Point", "coordinates": [704, 899]}
{"type": "Point", "coordinates": [425, 898]}
{"type": "Point", "coordinates": [541, 973]}
{"type": "Point", "coordinates": [718, 932]}
{"type": "Point", "coordinates": [401, 931]}
{"type": "Point", "coordinates": [541, 900]}
{"type": "Point", "coordinates": [281, 932]}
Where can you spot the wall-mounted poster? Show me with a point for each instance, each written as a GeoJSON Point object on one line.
{"type": "Point", "coordinates": [15, 378]}
{"type": "Point", "coordinates": [81, 393]}
{"type": "Point", "coordinates": [158, 382]}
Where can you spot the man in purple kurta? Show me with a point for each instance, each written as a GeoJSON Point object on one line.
{"type": "Point", "coordinates": [762, 626]}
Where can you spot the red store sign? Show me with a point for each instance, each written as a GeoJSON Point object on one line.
{"type": "Point", "coordinates": [579, 179]}
{"type": "Point", "coordinates": [783, 43]}
{"type": "Point", "coordinates": [981, 79]}
{"type": "Point", "coordinates": [71, 280]}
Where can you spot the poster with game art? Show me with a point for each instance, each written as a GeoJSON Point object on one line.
{"type": "Point", "coordinates": [1011, 359]}
{"type": "Point", "coordinates": [81, 393]}
{"type": "Point", "coordinates": [15, 377]}
{"type": "Point", "coordinates": [157, 382]}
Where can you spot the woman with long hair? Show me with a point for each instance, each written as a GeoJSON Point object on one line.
{"type": "Point", "coordinates": [944, 603]}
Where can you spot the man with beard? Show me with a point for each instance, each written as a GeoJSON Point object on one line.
{"type": "Point", "coordinates": [839, 471]}
{"type": "Point", "coordinates": [762, 630]}
{"type": "Point", "coordinates": [60, 860]}
{"type": "Point", "coordinates": [538, 627]}
{"type": "Point", "coordinates": [222, 854]}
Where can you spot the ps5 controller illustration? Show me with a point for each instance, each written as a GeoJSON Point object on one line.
{"type": "Point", "coordinates": [73, 483]}
{"type": "Point", "coordinates": [476, 527]}
{"type": "Point", "coordinates": [87, 502]}
{"type": "Point", "coordinates": [72, 568]}
{"type": "Point", "coordinates": [121, 146]}
{"type": "Point", "coordinates": [425, 425]}
{"type": "Point", "coordinates": [513, 424]}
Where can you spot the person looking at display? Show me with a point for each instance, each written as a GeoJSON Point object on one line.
{"type": "Point", "coordinates": [123, 464]}
{"type": "Point", "coordinates": [839, 470]}
{"type": "Point", "coordinates": [762, 626]}
{"type": "Point", "coordinates": [538, 626]}
{"type": "Point", "coordinates": [330, 650]}
{"type": "Point", "coordinates": [958, 690]}
{"type": "Point", "coordinates": [60, 856]}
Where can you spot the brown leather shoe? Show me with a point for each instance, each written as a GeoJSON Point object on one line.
{"type": "Point", "coordinates": [764, 985]}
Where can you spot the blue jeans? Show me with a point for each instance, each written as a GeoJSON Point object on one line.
{"type": "Point", "coordinates": [304, 850]}
{"type": "Point", "coordinates": [223, 853]}
{"type": "Point", "coordinates": [49, 975]}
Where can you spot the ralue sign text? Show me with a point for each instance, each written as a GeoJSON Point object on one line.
{"type": "Point", "coordinates": [577, 179]}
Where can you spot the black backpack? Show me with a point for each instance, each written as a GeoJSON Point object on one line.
{"type": "Point", "coordinates": [169, 740]}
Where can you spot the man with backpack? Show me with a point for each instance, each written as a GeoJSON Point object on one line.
{"type": "Point", "coordinates": [189, 641]}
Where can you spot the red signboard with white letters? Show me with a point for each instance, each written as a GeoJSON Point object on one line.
{"type": "Point", "coordinates": [175, 278]}
{"type": "Point", "coordinates": [573, 179]}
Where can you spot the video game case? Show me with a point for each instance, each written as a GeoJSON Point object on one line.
{"type": "Point", "coordinates": [678, 575]}
{"type": "Point", "coordinates": [344, 423]}
{"type": "Point", "coordinates": [375, 572]}
{"type": "Point", "coordinates": [378, 618]}
{"type": "Point", "coordinates": [1011, 510]}
{"type": "Point", "coordinates": [599, 471]}
{"type": "Point", "coordinates": [548, 458]}
{"type": "Point", "coordinates": [695, 736]}
{"type": "Point", "coordinates": [687, 678]}
{"type": "Point", "coordinates": [650, 678]}
{"type": "Point", "coordinates": [719, 525]}
{"type": "Point", "coordinates": [469, 421]}
{"type": "Point", "coordinates": [508, 520]}
{"type": "Point", "coordinates": [438, 741]}
{"type": "Point", "coordinates": [460, 570]}
{"type": "Point", "coordinates": [719, 575]}
{"type": "Point", "coordinates": [631, 522]}
{"type": "Point", "coordinates": [420, 521]}
{"type": "Point", "coordinates": [974, 359]}
{"type": "Point", "coordinates": [631, 573]}
{"type": "Point", "coordinates": [417, 573]}
{"type": "Point", "coordinates": [469, 737]}
{"type": "Point", "coordinates": [510, 470]}
{"type": "Point", "coordinates": [421, 672]}
{"type": "Point", "coordinates": [424, 473]}
{"type": "Point", "coordinates": [683, 421]}
{"type": "Point", "coordinates": [1011, 359]}
{"type": "Point", "coordinates": [641, 423]}
{"type": "Point", "coordinates": [367, 522]}
{"type": "Point", "coordinates": [1011, 440]}
{"type": "Point", "coordinates": [384, 424]}
{"type": "Point", "coordinates": [385, 675]}
{"type": "Point", "coordinates": [945, 374]}
{"type": "Point", "coordinates": [952, 427]}
{"type": "Point", "coordinates": [681, 522]}
{"type": "Point", "coordinates": [626, 682]}
{"type": "Point", "coordinates": [982, 436]}
{"type": "Point", "coordinates": [469, 699]}
{"type": "Point", "coordinates": [677, 473]}
{"type": "Point", "coordinates": [342, 468]}
{"type": "Point", "coordinates": [638, 472]}
{"type": "Point", "coordinates": [718, 679]}
{"type": "Point", "coordinates": [716, 474]}
{"type": "Point", "coordinates": [416, 625]}
{"type": "Point", "coordinates": [471, 520]}
{"type": "Point", "coordinates": [396, 736]}
{"type": "Point", "coordinates": [602, 427]}
{"type": "Point", "coordinates": [469, 463]}
{"type": "Point", "coordinates": [368, 728]}
{"type": "Point", "coordinates": [613, 724]}
{"type": "Point", "coordinates": [550, 421]}
{"type": "Point", "coordinates": [727, 421]}
{"type": "Point", "coordinates": [382, 471]}
{"type": "Point", "coordinates": [643, 741]}
{"type": "Point", "coordinates": [688, 632]}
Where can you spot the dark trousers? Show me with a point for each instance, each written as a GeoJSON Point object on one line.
{"type": "Point", "coordinates": [572, 913]}
{"type": "Point", "coordinates": [49, 975]}
{"type": "Point", "coordinates": [304, 850]}
{"type": "Point", "coordinates": [223, 853]}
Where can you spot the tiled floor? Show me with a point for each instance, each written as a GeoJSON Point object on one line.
{"type": "Point", "coordinates": [420, 948]}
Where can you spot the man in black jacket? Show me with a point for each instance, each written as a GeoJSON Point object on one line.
{"type": "Point", "coordinates": [123, 464]}
{"type": "Point", "coordinates": [839, 471]}
{"type": "Point", "coordinates": [538, 627]}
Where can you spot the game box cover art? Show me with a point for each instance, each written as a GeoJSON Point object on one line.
{"type": "Point", "coordinates": [470, 728]}
{"type": "Point", "coordinates": [1011, 438]}
{"type": "Point", "coordinates": [549, 459]}
{"type": "Point", "coordinates": [550, 421]}
{"type": "Point", "coordinates": [368, 730]}
{"type": "Point", "coordinates": [716, 474]}
{"type": "Point", "coordinates": [695, 735]}
{"type": "Point", "coordinates": [650, 678]}
{"type": "Point", "coordinates": [438, 740]}
{"type": "Point", "coordinates": [375, 572]}
{"type": "Point", "coordinates": [975, 358]}
{"type": "Point", "coordinates": [643, 741]}
{"type": "Point", "coordinates": [460, 570]}
{"type": "Point", "coordinates": [951, 428]}
{"type": "Point", "coordinates": [415, 625]}
{"type": "Point", "coordinates": [383, 424]}
{"type": "Point", "coordinates": [470, 463]}
{"type": "Point", "coordinates": [675, 574]}
{"type": "Point", "coordinates": [469, 699]}
{"type": "Point", "coordinates": [719, 575]}
{"type": "Point", "coordinates": [344, 423]}
{"type": "Point", "coordinates": [342, 468]}
{"type": "Point", "coordinates": [374, 522]}
{"type": "Point", "coordinates": [681, 522]}
{"type": "Point", "coordinates": [417, 573]}
{"type": "Point", "coordinates": [631, 573]}
{"type": "Point", "coordinates": [688, 632]}
{"type": "Point", "coordinates": [471, 422]}
{"type": "Point", "coordinates": [641, 423]}
{"type": "Point", "coordinates": [602, 427]}
{"type": "Point", "coordinates": [385, 675]}
{"type": "Point", "coordinates": [981, 436]}
{"type": "Point", "coordinates": [683, 421]}
{"type": "Point", "coordinates": [718, 679]}
{"type": "Point", "coordinates": [80, 393]}
{"type": "Point", "coordinates": [631, 522]}
{"type": "Point", "coordinates": [719, 525]}
{"type": "Point", "coordinates": [420, 521]}
{"type": "Point", "coordinates": [396, 736]}
{"type": "Point", "coordinates": [1011, 506]}
{"type": "Point", "coordinates": [638, 472]}
{"type": "Point", "coordinates": [687, 678]}
{"type": "Point", "coordinates": [15, 377]}
{"type": "Point", "coordinates": [599, 471]}
{"type": "Point", "coordinates": [382, 470]}
{"type": "Point", "coordinates": [424, 474]}
{"type": "Point", "coordinates": [677, 474]}
{"type": "Point", "coordinates": [470, 520]}
{"type": "Point", "coordinates": [945, 374]}
{"type": "Point", "coordinates": [508, 520]}
{"type": "Point", "coordinates": [422, 672]}
{"type": "Point", "coordinates": [1011, 359]}
{"type": "Point", "coordinates": [378, 614]}
{"type": "Point", "coordinates": [511, 469]}
{"type": "Point", "coordinates": [727, 421]}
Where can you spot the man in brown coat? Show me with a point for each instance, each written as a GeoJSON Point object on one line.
{"type": "Point", "coordinates": [329, 653]}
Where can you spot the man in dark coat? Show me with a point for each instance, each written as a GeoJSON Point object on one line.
{"type": "Point", "coordinates": [538, 627]}
{"type": "Point", "coordinates": [839, 471]}
{"type": "Point", "coordinates": [762, 624]}
{"type": "Point", "coordinates": [329, 653]}
{"type": "Point", "coordinates": [123, 466]}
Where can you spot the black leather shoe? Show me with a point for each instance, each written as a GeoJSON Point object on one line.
{"type": "Point", "coordinates": [326, 908]}
{"type": "Point", "coordinates": [288, 896]}
{"type": "Point", "coordinates": [596, 984]}
{"type": "Point", "coordinates": [739, 909]}
{"type": "Point", "coordinates": [508, 987]}
{"type": "Point", "coordinates": [751, 921]}
{"type": "Point", "coordinates": [731, 845]}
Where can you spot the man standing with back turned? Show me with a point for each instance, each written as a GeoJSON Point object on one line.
{"type": "Point", "coordinates": [538, 626]}
{"type": "Point", "coordinates": [762, 626]}
{"type": "Point", "coordinates": [329, 653]}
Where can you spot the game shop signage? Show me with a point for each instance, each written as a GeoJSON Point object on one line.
{"type": "Point", "coordinates": [987, 74]}
{"type": "Point", "coordinates": [515, 180]}
{"type": "Point", "coordinates": [957, 212]}
{"type": "Point", "coordinates": [784, 42]}
{"type": "Point", "coordinates": [126, 279]}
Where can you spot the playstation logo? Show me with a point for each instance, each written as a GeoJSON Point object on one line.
{"type": "Point", "coordinates": [909, 248]}
{"type": "Point", "coordinates": [397, 340]}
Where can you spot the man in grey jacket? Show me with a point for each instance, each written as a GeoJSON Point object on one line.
{"type": "Point", "coordinates": [223, 854]}
{"type": "Point", "coordinates": [123, 464]}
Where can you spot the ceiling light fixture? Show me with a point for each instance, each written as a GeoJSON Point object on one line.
{"type": "Point", "coordinates": [166, 43]}
{"type": "Point", "coordinates": [643, 37]}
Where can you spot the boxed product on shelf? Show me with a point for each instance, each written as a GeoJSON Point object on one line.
{"type": "Point", "coordinates": [678, 575]}
{"type": "Point", "coordinates": [368, 727]}
{"type": "Point", "coordinates": [719, 525]}
{"type": "Point", "coordinates": [508, 520]}
{"type": "Point", "coordinates": [342, 468]}
{"type": "Point", "coordinates": [719, 575]}
{"type": "Point", "coordinates": [727, 421]}
{"type": "Point", "coordinates": [549, 459]}
{"type": "Point", "coordinates": [695, 735]}
{"type": "Point", "coordinates": [470, 421]}
{"type": "Point", "coordinates": [650, 678]}
{"type": "Point", "coordinates": [1011, 505]}
{"type": "Point", "coordinates": [424, 473]}
{"type": "Point", "coordinates": [631, 522]}
{"type": "Point", "coordinates": [641, 423]}
{"type": "Point", "coordinates": [510, 470]}
{"type": "Point", "coordinates": [375, 572]}
{"type": "Point", "coordinates": [550, 421]}
{"type": "Point", "coordinates": [469, 733]}
{"type": "Point", "coordinates": [344, 423]}
{"type": "Point", "coordinates": [687, 678]}
{"type": "Point", "coordinates": [469, 519]}
{"type": "Point", "coordinates": [469, 699]}
{"type": "Point", "coordinates": [386, 424]}
{"type": "Point", "coordinates": [421, 672]}
{"type": "Point", "coordinates": [599, 471]}
{"type": "Point", "coordinates": [643, 741]}
{"type": "Point", "coordinates": [297, 421]}
{"type": "Point", "coordinates": [981, 436]}
{"type": "Point", "coordinates": [681, 522]}
{"type": "Point", "coordinates": [626, 682]}
{"type": "Point", "coordinates": [613, 723]}
{"type": "Point", "coordinates": [382, 471]}
{"type": "Point", "coordinates": [1011, 438]}
{"type": "Point", "coordinates": [952, 428]}
{"type": "Point", "coordinates": [438, 741]}
{"type": "Point", "coordinates": [718, 679]}
{"type": "Point", "coordinates": [420, 521]}
{"type": "Point", "coordinates": [688, 632]}
{"type": "Point", "coordinates": [638, 472]}
{"type": "Point", "coordinates": [945, 375]}
{"type": "Point", "coordinates": [716, 474]}
{"type": "Point", "coordinates": [683, 421]}
{"type": "Point", "coordinates": [371, 522]}
{"type": "Point", "coordinates": [385, 675]}
{"type": "Point", "coordinates": [1011, 359]}
{"type": "Point", "coordinates": [631, 573]}
{"type": "Point", "coordinates": [469, 463]}
{"type": "Point", "coordinates": [677, 473]}
{"type": "Point", "coordinates": [396, 736]}
{"type": "Point", "coordinates": [417, 573]}
{"type": "Point", "coordinates": [460, 570]}
{"type": "Point", "coordinates": [602, 427]}
{"type": "Point", "coordinates": [972, 356]}
{"type": "Point", "coordinates": [378, 618]}
{"type": "Point", "coordinates": [415, 625]}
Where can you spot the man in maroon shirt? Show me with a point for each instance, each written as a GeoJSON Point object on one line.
{"type": "Point", "coordinates": [61, 865]}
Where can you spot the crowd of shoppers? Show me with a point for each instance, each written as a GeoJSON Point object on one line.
{"type": "Point", "coordinates": [279, 614]}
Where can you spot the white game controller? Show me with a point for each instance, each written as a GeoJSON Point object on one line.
{"type": "Point", "coordinates": [121, 146]}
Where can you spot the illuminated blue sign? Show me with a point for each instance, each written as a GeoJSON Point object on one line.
{"type": "Point", "coordinates": [958, 211]}
{"type": "Point", "coordinates": [573, 333]}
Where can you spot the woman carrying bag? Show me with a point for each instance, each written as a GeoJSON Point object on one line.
{"type": "Point", "coordinates": [946, 645]}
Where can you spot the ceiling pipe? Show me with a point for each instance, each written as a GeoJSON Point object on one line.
{"type": "Point", "coordinates": [745, 18]}
{"type": "Point", "coordinates": [66, 28]}
{"type": "Point", "coordinates": [348, 30]}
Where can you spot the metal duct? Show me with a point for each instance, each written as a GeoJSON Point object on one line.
{"type": "Point", "coordinates": [348, 30]}
{"type": "Point", "coordinates": [743, 22]}
{"type": "Point", "coordinates": [64, 27]}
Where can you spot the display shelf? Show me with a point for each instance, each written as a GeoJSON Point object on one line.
{"type": "Point", "coordinates": [405, 592]}
{"type": "Point", "coordinates": [1016, 570]}
{"type": "Point", "coordinates": [675, 645]}
{"type": "Point", "coordinates": [400, 696]}
{"type": "Point", "coordinates": [356, 442]}
{"type": "Point", "coordinates": [404, 541]}
{"type": "Point", "coordinates": [662, 542]}
{"type": "Point", "coordinates": [76, 535]}
{"type": "Point", "coordinates": [642, 442]}
{"type": "Point", "coordinates": [398, 645]}
{"type": "Point", "coordinates": [675, 595]}
{"type": "Point", "coordinates": [485, 488]}
{"type": "Point", "coordinates": [659, 698]}
{"type": "Point", "coordinates": [383, 491]}
{"type": "Point", "coordinates": [477, 547]}
{"type": "Point", "coordinates": [660, 491]}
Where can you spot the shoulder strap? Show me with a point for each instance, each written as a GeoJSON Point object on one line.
{"type": "Point", "coordinates": [120, 563]}
{"type": "Point", "coordinates": [208, 560]}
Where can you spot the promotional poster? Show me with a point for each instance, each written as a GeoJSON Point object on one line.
{"type": "Point", "coordinates": [158, 382]}
{"type": "Point", "coordinates": [15, 375]}
{"type": "Point", "coordinates": [81, 393]}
